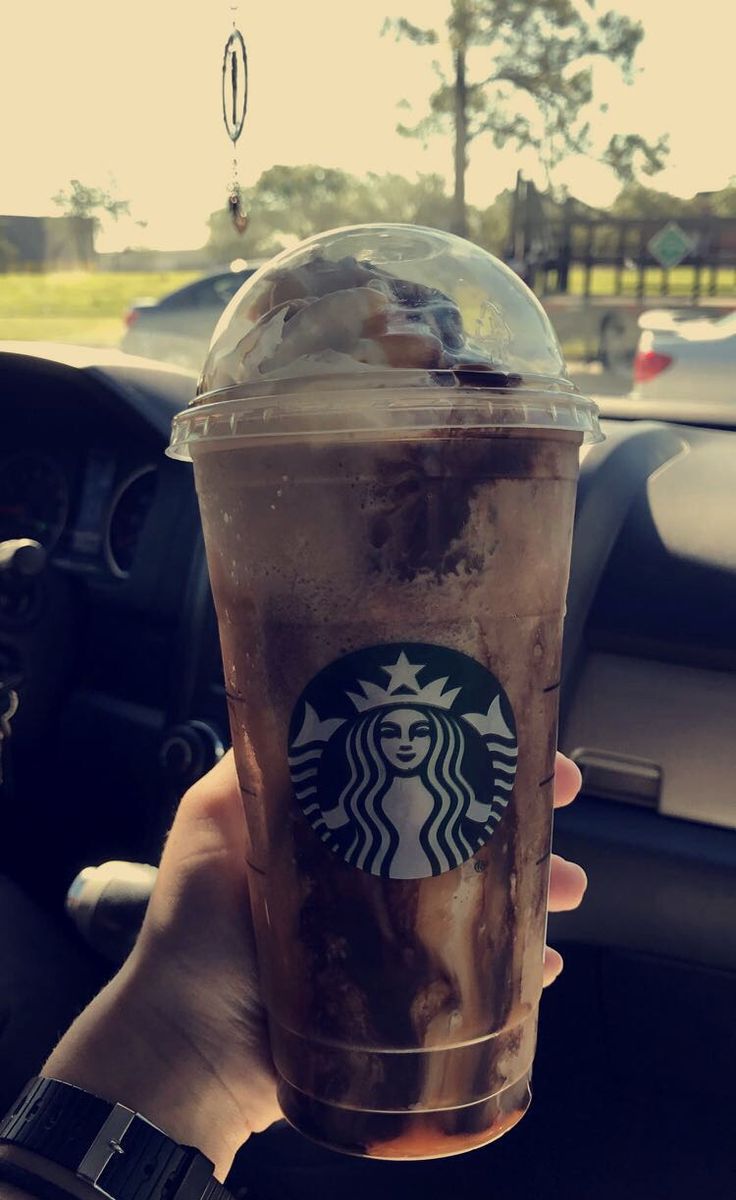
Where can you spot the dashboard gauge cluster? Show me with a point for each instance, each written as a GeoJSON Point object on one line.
{"type": "Point", "coordinates": [90, 520]}
{"type": "Point", "coordinates": [130, 507]}
{"type": "Point", "coordinates": [34, 499]}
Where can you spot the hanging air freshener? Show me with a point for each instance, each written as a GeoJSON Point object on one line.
{"type": "Point", "coordinates": [234, 108]}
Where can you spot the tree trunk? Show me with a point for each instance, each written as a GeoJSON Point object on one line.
{"type": "Point", "coordinates": [461, 142]}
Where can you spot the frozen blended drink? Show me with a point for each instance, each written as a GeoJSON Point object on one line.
{"type": "Point", "coordinates": [386, 453]}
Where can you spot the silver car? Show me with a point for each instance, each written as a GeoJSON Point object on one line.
{"type": "Point", "coordinates": [689, 360]}
{"type": "Point", "coordinates": [177, 328]}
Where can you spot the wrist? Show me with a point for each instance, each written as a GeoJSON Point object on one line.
{"type": "Point", "coordinates": [126, 1049]}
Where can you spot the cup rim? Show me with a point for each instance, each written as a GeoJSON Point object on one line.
{"type": "Point", "coordinates": [402, 403]}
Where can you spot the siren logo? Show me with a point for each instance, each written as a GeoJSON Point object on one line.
{"type": "Point", "coordinates": [403, 758]}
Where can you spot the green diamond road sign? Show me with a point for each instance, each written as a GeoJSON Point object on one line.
{"type": "Point", "coordinates": [670, 245]}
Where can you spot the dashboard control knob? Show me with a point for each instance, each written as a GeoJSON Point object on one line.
{"type": "Point", "coordinates": [22, 558]}
{"type": "Point", "coordinates": [108, 903]}
{"type": "Point", "coordinates": [190, 750]}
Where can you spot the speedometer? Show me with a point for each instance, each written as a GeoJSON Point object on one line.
{"type": "Point", "coordinates": [130, 507]}
{"type": "Point", "coordinates": [34, 499]}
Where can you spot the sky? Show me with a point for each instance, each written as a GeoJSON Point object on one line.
{"type": "Point", "coordinates": [128, 95]}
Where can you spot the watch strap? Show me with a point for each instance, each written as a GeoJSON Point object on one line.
{"type": "Point", "coordinates": [116, 1150]}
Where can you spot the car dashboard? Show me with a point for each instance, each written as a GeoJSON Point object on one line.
{"type": "Point", "coordinates": [100, 641]}
{"type": "Point", "coordinates": [122, 704]}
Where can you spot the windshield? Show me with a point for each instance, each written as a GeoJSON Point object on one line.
{"type": "Point", "coordinates": [564, 142]}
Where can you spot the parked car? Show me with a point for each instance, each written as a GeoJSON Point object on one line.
{"type": "Point", "coordinates": [690, 360]}
{"type": "Point", "coordinates": [177, 328]}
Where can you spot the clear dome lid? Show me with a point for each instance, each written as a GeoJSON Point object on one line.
{"type": "Point", "coordinates": [392, 325]}
{"type": "Point", "coordinates": [381, 297]}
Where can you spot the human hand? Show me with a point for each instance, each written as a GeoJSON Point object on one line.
{"type": "Point", "coordinates": [180, 1033]}
{"type": "Point", "coordinates": [567, 880]}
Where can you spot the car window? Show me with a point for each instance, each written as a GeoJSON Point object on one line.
{"type": "Point", "coordinates": [563, 141]}
{"type": "Point", "coordinates": [226, 286]}
{"type": "Point", "coordinates": [197, 295]}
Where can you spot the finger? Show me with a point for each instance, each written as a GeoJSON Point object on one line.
{"type": "Point", "coordinates": [567, 884]}
{"type": "Point", "coordinates": [202, 876]}
{"type": "Point", "coordinates": [553, 964]}
{"type": "Point", "coordinates": [209, 820]}
{"type": "Point", "coordinates": [568, 780]}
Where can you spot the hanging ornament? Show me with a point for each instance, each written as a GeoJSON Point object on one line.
{"type": "Point", "coordinates": [238, 215]}
{"type": "Point", "coordinates": [234, 109]}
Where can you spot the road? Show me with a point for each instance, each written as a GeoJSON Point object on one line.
{"type": "Point", "coordinates": [594, 380]}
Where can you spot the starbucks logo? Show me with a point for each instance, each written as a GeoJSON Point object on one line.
{"type": "Point", "coordinates": [403, 758]}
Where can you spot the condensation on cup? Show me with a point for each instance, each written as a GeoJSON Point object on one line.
{"type": "Point", "coordinates": [385, 450]}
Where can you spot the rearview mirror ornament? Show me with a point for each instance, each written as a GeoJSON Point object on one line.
{"type": "Point", "coordinates": [234, 109]}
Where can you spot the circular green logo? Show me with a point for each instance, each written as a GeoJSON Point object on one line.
{"type": "Point", "coordinates": [403, 758]}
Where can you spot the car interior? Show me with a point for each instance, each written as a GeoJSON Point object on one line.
{"type": "Point", "coordinates": [110, 641]}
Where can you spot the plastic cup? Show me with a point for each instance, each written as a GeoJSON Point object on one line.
{"type": "Point", "coordinates": [389, 551]}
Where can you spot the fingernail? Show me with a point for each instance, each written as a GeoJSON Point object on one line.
{"type": "Point", "coordinates": [579, 871]}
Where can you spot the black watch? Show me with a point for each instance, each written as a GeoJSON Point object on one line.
{"type": "Point", "coordinates": [121, 1154]}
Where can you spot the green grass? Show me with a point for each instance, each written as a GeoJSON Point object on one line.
{"type": "Point", "coordinates": [603, 282]}
{"type": "Point", "coordinates": [574, 349]}
{"type": "Point", "coordinates": [86, 307]}
{"type": "Point", "coordinates": [81, 331]}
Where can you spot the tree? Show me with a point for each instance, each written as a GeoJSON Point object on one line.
{"type": "Point", "coordinates": [629, 153]}
{"type": "Point", "coordinates": [225, 243]}
{"type": "Point", "coordinates": [290, 203]}
{"type": "Point", "coordinates": [723, 203]}
{"type": "Point", "coordinates": [640, 203]}
{"type": "Point", "coordinates": [490, 227]}
{"type": "Point", "coordinates": [522, 72]}
{"type": "Point", "coordinates": [81, 202]}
